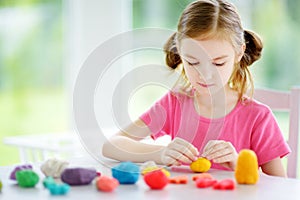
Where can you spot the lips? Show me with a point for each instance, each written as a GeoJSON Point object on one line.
{"type": "Point", "coordinates": [205, 85]}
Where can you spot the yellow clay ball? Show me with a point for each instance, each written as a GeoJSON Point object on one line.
{"type": "Point", "coordinates": [246, 171]}
{"type": "Point", "coordinates": [200, 165]}
{"type": "Point", "coordinates": [153, 168]}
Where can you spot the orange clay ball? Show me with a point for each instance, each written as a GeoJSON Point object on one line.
{"type": "Point", "coordinates": [200, 165]}
{"type": "Point", "coordinates": [246, 171]}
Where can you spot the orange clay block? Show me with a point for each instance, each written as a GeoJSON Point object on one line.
{"type": "Point", "coordinates": [202, 175]}
{"type": "Point", "coordinates": [246, 171]}
{"type": "Point", "coordinates": [178, 179]}
{"type": "Point", "coordinates": [200, 165]}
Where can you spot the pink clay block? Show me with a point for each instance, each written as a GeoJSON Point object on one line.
{"type": "Point", "coordinates": [107, 184]}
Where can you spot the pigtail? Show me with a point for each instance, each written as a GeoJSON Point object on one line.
{"type": "Point", "coordinates": [253, 49]}
{"type": "Point", "coordinates": [172, 56]}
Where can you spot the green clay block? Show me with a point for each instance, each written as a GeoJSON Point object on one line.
{"type": "Point", "coordinates": [27, 178]}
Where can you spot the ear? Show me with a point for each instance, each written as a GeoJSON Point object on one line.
{"type": "Point", "coordinates": [241, 54]}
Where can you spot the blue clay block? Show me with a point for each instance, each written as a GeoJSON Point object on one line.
{"type": "Point", "coordinates": [48, 181]}
{"type": "Point", "coordinates": [126, 173]}
{"type": "Point", "coordinates": [58, 189]}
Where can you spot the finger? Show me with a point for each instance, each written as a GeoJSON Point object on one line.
{"type": "Point", "coordinates": [178, 156]}
{"type": "Point", "coordinates": [209, 147]}
{"type": "Point", "coordinates": [169, 161]}
{"type": "Point", "coordinates": [183, 150]}
{"type": "Point", "coordinates": [187, 145]}
{"type": "Point", "coordinates": [220, 146]}
{"type": "Point", "coordinates": [220, 153]}
{"type": "Point", "coordinates": [224, 159]}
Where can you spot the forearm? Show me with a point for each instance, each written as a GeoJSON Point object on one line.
{"type": "Point", "coordinates": [125, 149]}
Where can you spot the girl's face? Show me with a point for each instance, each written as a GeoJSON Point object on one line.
{"type": "Point", "coordinates": [208, 64]}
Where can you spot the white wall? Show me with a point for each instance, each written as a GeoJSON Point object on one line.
{"type": "Point", "coordinates": [89, 23]}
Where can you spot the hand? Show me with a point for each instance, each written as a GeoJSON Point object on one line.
{"type": "Point", "coordinates": [179, 151]}
{"type": "Point", "coordinates": [221, 152]}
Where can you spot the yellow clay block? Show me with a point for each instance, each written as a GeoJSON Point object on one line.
{"type": "Point", "coordinates": [246, 171]}
{"type": "Point", "coordinates": [200, 165]}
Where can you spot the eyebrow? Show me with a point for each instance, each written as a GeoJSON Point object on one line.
{"type": "Point", "coordinates": [217, 58]}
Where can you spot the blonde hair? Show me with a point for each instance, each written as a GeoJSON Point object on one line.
{"type": "Point", "coordinates": [206, 19]}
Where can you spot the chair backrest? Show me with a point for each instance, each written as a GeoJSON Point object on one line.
{"type": "Point", "coordinates": [286, 101]}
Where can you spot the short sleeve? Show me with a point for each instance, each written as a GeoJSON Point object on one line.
{"type": "Point", "coordinates": [267, 139]}
{"type": "Point", "coordinates": [158, 117]}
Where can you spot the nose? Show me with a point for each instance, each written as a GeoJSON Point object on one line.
{"type": "Point", "coordinates": [206, 71]}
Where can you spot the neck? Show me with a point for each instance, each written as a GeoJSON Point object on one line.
{"type": "Point", "coordinates": [217, 104]}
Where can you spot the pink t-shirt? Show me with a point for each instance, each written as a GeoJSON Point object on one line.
{"type": "Point", "coordinates": [250, 125]}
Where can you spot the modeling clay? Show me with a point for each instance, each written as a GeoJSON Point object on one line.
{"type": "Point", "coordinates": [0, 185]}
{"type": "Point", "coordinates": [59, 189]}
{"type": "Point", "coordinates": [179, 179]}
{"type": "Point", "coordinates": [200, 165]}
{"type": "Point", "coordinates": [156, 180]}
{"type": "Point", "coordinates": [150, 169]}
{"type": "Point", "coordinates": [226, 184]}
{"type": "Point", "coordinates": [107, 184]}
{"type": "Point", "coordinates": [78, 176]}
{"type": "Point", "coordinates": [246, 171]}
{"type": "Point", "coordinates": [18, 168]}
{"type": "Point", "coordinates": [48, 181]}
{"type": "Point", "coordinates": [150, 166]}
{"type": "Point", "coordinates": [54, 167]}
{"type": "Point", "coordinates": [126, 173]}
{"type": "Point", "coordinates": [205, 182]}
{"type": "Point", "coordinates": [27, 178]}
{"type": "Point", "coordinates": [202, 175]}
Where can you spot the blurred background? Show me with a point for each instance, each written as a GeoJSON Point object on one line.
{"type": "Point", "coordinates": [43, 43]}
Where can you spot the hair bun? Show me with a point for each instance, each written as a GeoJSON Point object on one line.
{"type": "Point", "coordinates": [253, 49]}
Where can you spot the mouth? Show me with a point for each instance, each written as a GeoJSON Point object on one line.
{"type": "Point", "coordinates": [205, 85]}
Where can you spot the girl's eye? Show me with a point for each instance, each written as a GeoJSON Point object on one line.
{"type": "Point", "coordinates": [193, 64]}
{"type": "Point", "coordinates": [219, 64]}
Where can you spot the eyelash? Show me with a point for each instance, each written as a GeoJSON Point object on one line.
{"type": "Point", "coordinates": [219, 64]}
{"type": "Point", "coordinates": [216, 64]}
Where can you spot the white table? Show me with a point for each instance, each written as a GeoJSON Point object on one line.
{"type": "Point", "coordinates": [267, 188]}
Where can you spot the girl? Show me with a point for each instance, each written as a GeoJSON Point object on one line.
{"type": "Point", "coordinates": [208, 114]}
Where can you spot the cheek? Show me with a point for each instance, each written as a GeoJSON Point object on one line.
{"type": "Point", "coordinates": [226, 72]}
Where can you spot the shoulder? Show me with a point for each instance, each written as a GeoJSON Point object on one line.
{"type": "Point", "coordinates": [254, 107]}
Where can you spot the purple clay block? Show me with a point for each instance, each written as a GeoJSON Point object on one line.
{"type": "Point", "coordinates": [18, 168]}
{"type": "Point", "coordinates": [126, 173]}
{"type": "Point", "coordinates": [78, 176]}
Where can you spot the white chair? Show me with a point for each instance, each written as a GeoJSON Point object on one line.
{"type": "Point", "coordinates": [285, 101]}
{"type": "Point", "coordinates": [40, 147]}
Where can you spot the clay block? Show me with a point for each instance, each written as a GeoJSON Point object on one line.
{"type": "Point", "coordinates": [18, 168]}
{"type": "Point", "coordinates": [202, 175]}
{"type": "Point", "coordinates": [179, 179]}
{"type": "Point", "coordinates": [27, 178]}
{"type": "Point", "coordinates": [107, 184]}
{"type": "Point", "coordinates": [59, 189]}
{"type": "Point", "coordinates": [156, 180]}
{"type": "Point", "coordinates": [78, 176]}
{"type": "Point", "coordinates": [54, 167]}
{"type": "Point", "coordinates": [226, 184]}
{"type": "Point", "coordinates": [48, 181]}
{"type": "Point", "coordinates": [200, 165]}
{"type": "Point", "coordinates": [205, 182]}
{"type": "Point", "coordinates": [126, 173]}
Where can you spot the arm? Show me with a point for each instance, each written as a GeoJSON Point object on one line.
{"type": "Point", "coordinates": [126, 146]}
{"type": "Point", "coordinates": [274, 168]}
